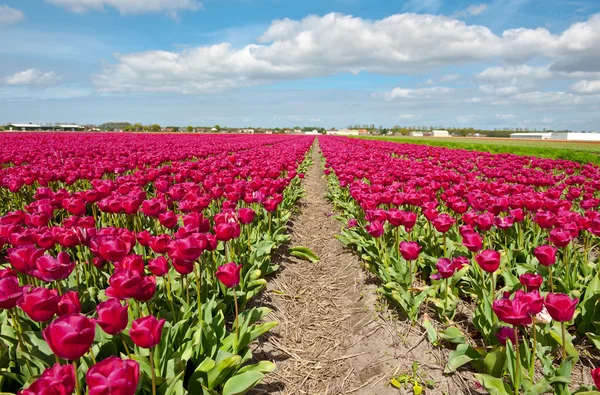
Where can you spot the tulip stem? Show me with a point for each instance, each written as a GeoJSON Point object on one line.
{"type": "Point", "coordinates": [532, 367]}
{"type": "Point", "coordinates": [566, 263]}
{"type": "Point", "coordinates": [187, 289]}
{"type": "Point", "coordinates": [152, 371]}
{"type": "Point", "coordinates": [77, 386]}
{"type": "Point", "coordinates": [444, 245]}
{"type": "Point", "coordinates": [237, 324]}
{"type": "Point", "coordinates": [551, 281]}
{"type": "Point", "coordinates": [125, 345]}
{"type": "Point", "coordinates": [564, 341]}
{"type": "Point", "coordinates": [168, 284]}
{"type": "Point", "coordinates": [446, 297]}
{"type": "Point", "coordinates": [199, 288]}
{"type": "Point", "coordinates": [517, 381]}
{"type": "Point", "coordinates": [18, 329]}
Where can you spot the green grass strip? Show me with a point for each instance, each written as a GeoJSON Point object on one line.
{"type": "Point", "coordinates": [528, 148]}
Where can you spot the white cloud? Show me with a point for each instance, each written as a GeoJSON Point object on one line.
{"type": "Point", "coordinates": [514, 74]}
{"type": "Point", "coordinates": [547, 120]}
{"type": "Point", "coordinates": [505, 116]}
{"type": "Point", "coordinates": [335, 43]}
{"type": "Point", "coordinates": [472, 10]}
{"type": "Point", "coordinates": [586, 86]}
{"type": "Point", "coordinates": [498, 90]}
{"type": "Point", "coordinates": [420, 93]}
{"type": "Point", "coordinates": [33, 78]}
{"type": "Point", "coordinates": [408, 116]}
{"type": "Point", "coordinates": [130, 6]}
{"type": "Point", "coordinates": [10, 15]}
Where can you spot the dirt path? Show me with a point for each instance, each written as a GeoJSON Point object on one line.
{"type": "Point", "coordinates": [334, 336]}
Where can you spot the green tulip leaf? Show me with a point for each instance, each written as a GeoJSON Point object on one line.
{"type": "Point", "coordinates": [495, 386]}
{"type": "Point", "coordinates": [452, 335]}
{"type": "Point", "coordinates": [242, 383]}
{"type": "Point", "coordinates": [304, 253]}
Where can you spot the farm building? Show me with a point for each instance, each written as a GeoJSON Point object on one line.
{"type": "Point", "coordinates": [68, 128]}
{"type": "Point", "coordinates": [343, 132]}
{"type": "Point", "coordinates": [536, 136]}
{"type": "Point", "coordinates": [575, 136]}
{"type": "Point", "coordinates": [312, 132]}
{"type": "Point", "coordinates": [22, 126]}
{"type": "Point", "coordinates": [439, 133]}
{"type": "Point", "coordinates": [416, 134]}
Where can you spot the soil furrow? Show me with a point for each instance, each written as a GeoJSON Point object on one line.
{"type": "Point", "coordinates": [334, 336]}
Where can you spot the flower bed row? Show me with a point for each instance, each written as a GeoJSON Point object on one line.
{"type": "Point", "coordinates": [138, 281]}
{"type": "Point", "coordinates": [506, 240]}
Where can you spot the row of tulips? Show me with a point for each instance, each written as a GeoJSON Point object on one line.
{"type": "Point", "coordinates": [138, 279]}
{"type": "Point", "coordinates": [505, 239]}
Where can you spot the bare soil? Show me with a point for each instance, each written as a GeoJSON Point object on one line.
{"type": "Point", "coordinates": [335, 336]}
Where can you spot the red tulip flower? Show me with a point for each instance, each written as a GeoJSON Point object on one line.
{"type": "Point", "coordinates": [112, 316]}
{"type": "Point", "coordinates": [505, 333]}
{"type": "Point", "coordinates": [445, 269]}
{"type": "Point", "coordinates": [188, 249]}
{"type": "Point", "coordinates": [113, 376]}
{"type": "Point", "coordinates": [168, 219]}
{"type": "Point", "coordinates": [410, 250]}
{"type": "Point", "coordinates": [10, 292]}
{"type": "Point", "coordinates": [147, 289]}
{"type": "Point", "coordinates": [56, 380]}
{"type": "Point", "coordinates": [443, 223]}
{"type": "Point", "coordinates": [54, 269]}
{"type": "Point", "coordinates": [472, 240]}
{"type": "Point", "coordinates": [545, 254]}
{"type": "Point", "coordinates": [560, 237]}
{"type": "Point", "coordinates": [514, 312]}
{"type": "Point", "coordinates": [533, 300]}
{"type": "Point", "coordinates": [69, 304]}
{"type": "Point", "coordinates": [596, 377]}
{"type": "Point", "coordinates": [560, 306]}
{"type": "Point", "coordinates": [70, 336]}
{"type": "Point", "coordinates": [375, 229]}
{"type": "Point", "coordinates": [124, 284]}
{"type": "Point", "coordinates": [229, 274]}
{"type": "Point", "coordinates": [531, 281]}
{"type": "Point", "coordinates": [246, 215]}
{"type": "Point", "coordinates": [40, 304]}
{"type": "Point", "coordinates": [23, 259]}
{"type": "Point", "coordinates": [488, 260]}
{"type": "Point", "coordinates": [146, 332]}
{"type": "Point", "coordinates": [159, 266]}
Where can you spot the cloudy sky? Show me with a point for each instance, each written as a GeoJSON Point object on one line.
{"type": "Point", "coordinates": [501, 63]}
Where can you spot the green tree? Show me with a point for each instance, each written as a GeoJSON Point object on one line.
{"type": "Point", "coordinates": [218, 128]}
{"type": "Point", "coordinates": [190, 129]}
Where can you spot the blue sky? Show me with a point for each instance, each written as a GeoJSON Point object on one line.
{"type": "Point", "coordinates": [500, 63]}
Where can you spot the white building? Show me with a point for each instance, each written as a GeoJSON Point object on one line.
{"type": "Point", "coordinates": [23, 126]}
{"type": "Point", "coordinates": [312, 132]}
{"type": "Point", "coordinates": [343, 132]}
{"type": "Point", "coordinates": [575, 136]}
{"type": "Point", "coordinates": [440, 133]}
{"type": "Point", "coordinates": [535, 136]}
{"type": "Point", "coordinates": [416, 134]}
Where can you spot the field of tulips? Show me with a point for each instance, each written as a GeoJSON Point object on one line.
{"type": "Point", "coordinates": [127, 263]}
{"type": "Point", "coordinates": [500, 249]}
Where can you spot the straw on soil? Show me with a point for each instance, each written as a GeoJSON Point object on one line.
{"type": "Point", "coordinates": [334, 335]}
